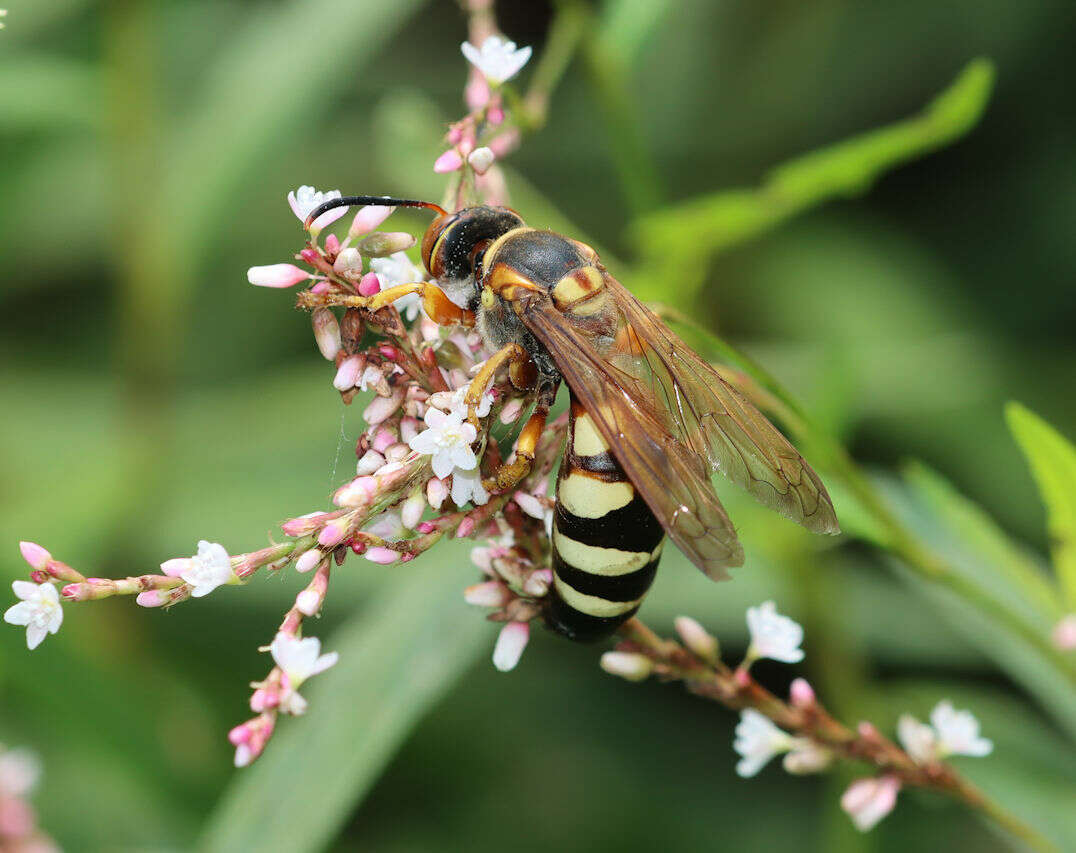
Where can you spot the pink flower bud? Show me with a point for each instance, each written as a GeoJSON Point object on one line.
{"type": "Point", "coordinates": [465, 529]}
{"type": "Point", "coordinates": [537, 583]}
{"type": "Point", "coordinates": [867, 801]}
{"type": "Point", "coordinates": [481, 159]}
{"type": "Point", "coordinates": [35, 555]}
{"type": "Point", "coordinates": [697, 639]}
{"type": "Point", "coordinates": [153, 598]}
{"type": "Point", "coordinates": [450, 161]}
{"type": "Point", "coordinates": [368, 218]}
{"type": "Point", "coordinates": [359, 492]}
{"type": "Point", "coordinates": [510, 645]}
{"type": "Point", "coordinates": [332, 244]}
{"type": "Point", "coordinates": [175, 567]}
{"type": "Point", "coordinates": [326, 332]}
{"type": "Point", "coordinates": [308, 602]}
{"type": "Point", "coordinates": [333, 533]}
{"type": "Point", "coordinates": [302, 525]}
{"type": "Point", "coordinates": [309, 561]}
{"type": "Point", "coordinates": [511, 411]}
{"type": "Point", "coordinates": [383, 407]}
{"type": "Point", "coordinates": [347, 374]}
{"type": "Point", "coordinates": [488, 594]}
{"type": "Point", "coordinates": [505, 143]}
{"type": "Point", "coordinates": [384, 556]}
{"type": "Point", "coordinates": [381, 244]}
{"type": "Point", "coordinates": [276, 275]}
{"type": "Point", "coordinates": [240, 734]}
{"type": "Point", "coordinates": [476, 92]}
{"type": "Point", "coordinates": [397, 452]}
{"type": "Point", "coordinates": [384, 438]}
{"type": "Point", "coordinates": [39, 576]}
{"type": "Point", "coordinates": [411, 510]}
{"type": "Point", "coordinates": [1063, 635]}
{"type": "Point", "coordinates": [801, 694]}
{"type": "Point", "coordinates": [369, 285]}
{"type": "Point", "coordinates": [320, 287]}
{"type": "Point", "coordinates": [436, 492]}
{"type": "Point", "coordinates": [627, 665]}
{"type": "Point", "coordinates": [349, 264]}
{"type": "Point", "coordinates": [409, 428]}
{"type": "Point", "coordinates": [495, 116]}
{"type": "Point", "coordinates": [371, 460]}
{"type": "Point", "coordinates": [530, 504]}
{"type": "Point", "coordinates": [310, 256]}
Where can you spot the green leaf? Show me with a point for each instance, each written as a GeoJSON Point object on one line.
{"type": "Point", "coordinates": [396, 661]}
{"type": "Point", "coordinates": [700, 227]}
{"type": "Point", "coordinates": [1053, 463]}
{"type": "Point", "coordinates": [1007, 570]}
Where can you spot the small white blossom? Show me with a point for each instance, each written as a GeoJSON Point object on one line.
{"type": "Point", "coordinates": [510, 645]}
{"type": "Point", "coordinates": [806, 756]}
{"type": "Point", "coordinates": [298, 660]}
{"type": "Point", "coordinates": [467, 486]}
{"type": "Point", "coordinates": [448, 440]}
{"type": "Point", "coordinates": [958, 732]}
{"type": "Point", "coordinates": [757, 741]}
{"type": "Point", "coordinates": [455, 401]}
{"type": "Point", "coordinates": [398, 269]}
{"type": "Point", "coordinates": [772, 635]}
{"type": "Point", "coordinates": [209, 568]}
{"type": "Point", "coordinates": [304, 200]}
{"type": "Point", "coordinates": [39, 610]}
{"type": "Point", "coordinates": [867, 801]}
{"type": "Point", "coordinates": [498, 59]}
{"type": "Point", "coordinates": [918, 739]}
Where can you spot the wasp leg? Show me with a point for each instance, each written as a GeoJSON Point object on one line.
{"type": "Point", "coordinates": [437, 306]}
{"type": "Point", "coordinates": [509, 474]}
{"type": "Point", "coordinates": [521, 371]}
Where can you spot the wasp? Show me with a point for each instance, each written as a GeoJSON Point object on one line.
{"type": "Point", "coordinates": [649, 418]}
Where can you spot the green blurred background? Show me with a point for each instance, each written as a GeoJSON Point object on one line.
{"type": "Point", "coordinates": [153, 398]}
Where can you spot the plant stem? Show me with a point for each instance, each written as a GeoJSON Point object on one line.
{"type": "Point", "coordinates": [737, 689]}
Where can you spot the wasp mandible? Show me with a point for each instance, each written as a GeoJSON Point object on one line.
{"type": "Point", "coordinates": [649, 418]}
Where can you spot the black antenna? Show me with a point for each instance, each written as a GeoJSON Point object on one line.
{"type": "Point", "coordinates": [385, 201]}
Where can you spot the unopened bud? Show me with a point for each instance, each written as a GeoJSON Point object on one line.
{"type": "Point", "coordinates": [537, 583]}
{"type": "Point", "coordinates": [698, 640]}
{"type": "Point", "coordinates": [308, 602]}
{"type": "Point", "coordinates": [411, 510]}
{"type": "Point", "coordinates": [276, 275]}
{"type": "Point", "coordinates": [348, 264]}
{"type": "Point", "coordinates": [35, 555]}
{"type": "Point", "coordinates": [450, 161]}
{"type": "Point", "coordinates": [370, 462]}
{"type": "Point", "coordinates": [510, 645]}
{"type": "Point", "coordinates": [383, 556]}
{"type": "Point", "coordinates": [627, 665]}
{"type": "Point", "coordinates": [326, 332]}
{"type": "Point", "coordinates": [332, 533]}
{"type": "Point", "coordinates": [383, 407]}
{"type": "Point", "coordinates": [801, 694]}
{"type": "Point", "coordinates": [381, 244]}
{"type": "Point", "coordinates": [436, 492]}
{"type": "Point", "coordinates": [530, 504]}
{"type": "Point", "coordinates": [368, 218]}
{"type": "Point", "coordinates": [332, 244]}
{"type": "Point", "coordinates": [309, 561]}
{"type": "Point", "coordinates": [152, 598]}
{"type": "Point", "coordinates": [481, 159]}
{"type": "Point", "coordinates": [370, 284]}
{"type": "Point", "coordinates": [347, 374]}
{"type": "Point", "coordinates": [511, 411]}
{"type": "Point", "coordinates": [488, 594]}
{"type": "Point", "coordinates": [1064, 633]}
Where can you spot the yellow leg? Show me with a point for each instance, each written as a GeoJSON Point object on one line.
{"type": "Point", "coordinates": [517, 360]}
{"type": "Point", "coordinates": [437, 306]}
{"type": "Point", "coordinates": [509, 474]}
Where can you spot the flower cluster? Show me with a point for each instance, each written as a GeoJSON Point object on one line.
{"type": "Point", "coordinates": [800, 730]}
{"type": "Point", "coordinates": [20, 771]}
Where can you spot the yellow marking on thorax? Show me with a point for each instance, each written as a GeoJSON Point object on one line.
{"type": "Point", "coordinates": [589, 497]}
{"type": "Point", "coordinates": [591, 604]}
{"type": "Point", "coordinates": [586, 439]}
{"type": "Point", "coordinates": [593, 560]}
{"type": "Point", "coordinates": [581, 291]}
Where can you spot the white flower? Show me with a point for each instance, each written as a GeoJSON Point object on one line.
{"type": "Point", "coordinates": [298, 660]}
{"type": "Point", "coordinates": [867, 801]}
{"type": "Point", "coordinates": [448, 441]}
{"type": "Point", "coordinates": [498, 59]}
{"type": "Point", "coordinates": [958, 732]}
{"type": "Point", "coordinates": [304, 200]}
{"type": "Point", "coordinates": [918, 739]}
{"type": "Point", "coordinates": [952, 733]}
{"type": "Point", "coordinates": [398, 269]}
{"type": "Point", "coordinates": [209, 568]}
{"type": "Point", "coordinates": [39, 610]}
{"type": "Point", "coordinates": [20, 770]}
{"type": "Point", "coordinates": [772, 635]}
{"type": "Point", "coordinates": [455, 401]}
{"type": "Point", "coordinates": [758, 740]}
{"type": "Point", "coordinates": [806, 756]}
{"type": "Point", "coordinates": [467, 486]}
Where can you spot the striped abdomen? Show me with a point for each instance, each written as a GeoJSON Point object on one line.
{"type": "Point", "coordinates": [606, 541]}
